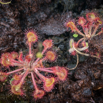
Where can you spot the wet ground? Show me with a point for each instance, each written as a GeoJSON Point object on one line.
{"type": "Point", "coordinates": [47, 17]}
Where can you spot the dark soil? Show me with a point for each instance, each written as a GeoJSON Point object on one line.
{"type": "Point", "coordinates": [47, 17]}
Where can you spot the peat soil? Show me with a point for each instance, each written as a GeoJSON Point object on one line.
{"type": "Point", "coordinates": [47, 17]}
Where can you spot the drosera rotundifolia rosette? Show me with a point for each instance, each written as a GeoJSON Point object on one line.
{"type": "Point", "coordinates": [31, 64]}
{"type": "Point", "coordinates": [90, 28]}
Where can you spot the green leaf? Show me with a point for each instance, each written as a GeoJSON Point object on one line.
{"type": "Point", "coordinates": [71, 43]}
{"type": "Point", "coordinates": [75, 35]}
{"type": "Point", "coordinates": [39, 55]}
{"type": "Point", "coordinates": [11, 81]}
{"type": "Point", "coordinates": [86, 44]}
{"type": "Point", "coordinates": [5, 2]}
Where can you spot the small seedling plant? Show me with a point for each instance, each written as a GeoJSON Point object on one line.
{"type": "Point", "coordinates": [31, 64]}
{"type": "Point", "coordinates": [89, 26]}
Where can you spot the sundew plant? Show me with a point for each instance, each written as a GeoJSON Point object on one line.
{"type": "Point", "coordinates": [32, 64]}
